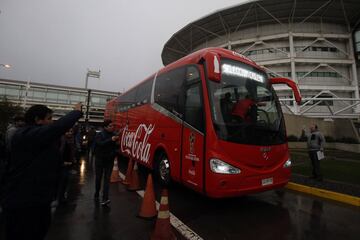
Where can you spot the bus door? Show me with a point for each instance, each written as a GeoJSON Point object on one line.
{"type": "Point", "coordinates": [193, 132]}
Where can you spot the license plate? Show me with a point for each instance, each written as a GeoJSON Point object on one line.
{"type": "Point", "coordinates": [267, 181]}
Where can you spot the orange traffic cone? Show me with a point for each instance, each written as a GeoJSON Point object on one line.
{"type": "Point", "coordinates": [163, 229]}
{"type": "Point", "coordinates": [128, 172]}
{"type": "Point", "coordinates": [134, 180]}
{"type": "Point", "coordinates": [148, 206]}
{"type": "Point", "coordinates": [115, 172]}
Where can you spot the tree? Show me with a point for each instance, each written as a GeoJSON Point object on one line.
{"type": "Point", "coordinates": [7, 112]}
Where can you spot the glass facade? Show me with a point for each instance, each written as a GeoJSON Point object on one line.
{"type": "Point", "coordinates": [312, 74]}
{"type": "Point", "coordinates": [58, 98]}
{"type": "Point", "coordinates": [297, 49]}
{"type": "Point", "coordinates": [357, 43]}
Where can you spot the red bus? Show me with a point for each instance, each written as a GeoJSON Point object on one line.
{"type": "Point", "coordinates": [211, 121]}
{"type": "Point", "coordinates": [110, 110]}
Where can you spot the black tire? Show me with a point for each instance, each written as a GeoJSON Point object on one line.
{"type": "Point", "coordinates": [162, 169]}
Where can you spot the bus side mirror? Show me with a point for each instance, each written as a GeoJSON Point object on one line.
{"type": "Point", "coordinates": [213, 70]}
{"type": "Point", "coordinates": [291, 84]}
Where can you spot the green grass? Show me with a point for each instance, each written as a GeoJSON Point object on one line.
{"type": "Point", "coordinates": [332, 167]}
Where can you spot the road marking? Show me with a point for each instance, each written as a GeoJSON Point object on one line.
{"type": "Point", "coordinates": [184, 230]}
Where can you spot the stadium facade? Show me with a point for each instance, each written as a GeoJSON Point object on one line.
{"type": "Point", "coordinates": [312, 42]}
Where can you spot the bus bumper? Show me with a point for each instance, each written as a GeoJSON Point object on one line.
{"type": "Point", "coordinates": [221, 185]}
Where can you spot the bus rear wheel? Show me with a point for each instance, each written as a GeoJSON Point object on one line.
{"type": "Point", "coordinates": [162, 169]}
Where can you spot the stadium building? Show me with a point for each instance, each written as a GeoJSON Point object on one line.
{"type": "Point", "coordinates": [315, 43]}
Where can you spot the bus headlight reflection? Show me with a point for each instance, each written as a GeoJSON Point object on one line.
{"type": "Point", "coordinates": [287, 164]}
{"type": "Point", "coordinates": [219, 166]}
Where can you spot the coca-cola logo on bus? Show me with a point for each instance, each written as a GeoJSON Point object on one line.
{"type": "Point", "coordinates": [135, 143]}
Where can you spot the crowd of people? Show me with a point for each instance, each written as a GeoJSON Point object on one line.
{"type": "Point", "coordinates": [37, 160]}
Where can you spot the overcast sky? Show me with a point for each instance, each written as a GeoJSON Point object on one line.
{"type": "Point", "coordinates": [56, 41]}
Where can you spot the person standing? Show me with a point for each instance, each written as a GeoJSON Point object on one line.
{"type": "Point", "coordinates": [315, 144]}
{"type": "Point", "coordinates": [68, 158]}
{"type": "Point", "coordinates": [105, 152]}
{"type": "Point", "coordinates": [91, 144]}
{"type": "Point", "coordinates": [226, 107]}
{"type": "Point", "coordinates": [19, 122]}
{"type": "Point", "coordinates": [32, 173]}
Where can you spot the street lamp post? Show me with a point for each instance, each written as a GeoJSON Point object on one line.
{"type": "Point", "coordinates": [93, 74]}
{"type": "Point", "coordinates": [27, 87]}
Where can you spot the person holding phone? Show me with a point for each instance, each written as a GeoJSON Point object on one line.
{"type": "Point", "coordinates": [106, 144]}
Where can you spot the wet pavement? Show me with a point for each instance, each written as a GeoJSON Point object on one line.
{"type": "Point", "coordinates": [277, 214]}
{"type": "Point", "coordinates": [83, 218]}
{"type": "Point", "coordinates": [270, 215]}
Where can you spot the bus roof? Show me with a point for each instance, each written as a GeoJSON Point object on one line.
{"type": "Point", "coordinates": [195, 58]}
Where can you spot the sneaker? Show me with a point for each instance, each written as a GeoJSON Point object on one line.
{"type": "Point", "coordinates": [105, 202]}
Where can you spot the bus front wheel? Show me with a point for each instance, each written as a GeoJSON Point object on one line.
{"type": "Point", "coordinates": [162, 169]}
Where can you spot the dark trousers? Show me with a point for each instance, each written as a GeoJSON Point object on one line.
{"type": "Point", "coordinates": [315, 164]}
{"type": "Point", "coordinates": [31, 223]}
{"type": "Point", "coordinates": [103, 168]}
{"type": "Point", "coordinates": [63, 183]}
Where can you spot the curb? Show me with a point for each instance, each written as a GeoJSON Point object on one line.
{"type": "Point", "coordinates": [344, 198]}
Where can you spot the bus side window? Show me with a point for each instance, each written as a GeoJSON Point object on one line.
{"type": "Point", "coordinates": [193, 102]}
{"type": "Point", "coordinates": [169, 91]}
{"type": "Point", "coordinates": [193, 107]}
{"type": "Point", "coordinates": [143, 92]}
{"type": "Point", "coordinates": [128, 99]}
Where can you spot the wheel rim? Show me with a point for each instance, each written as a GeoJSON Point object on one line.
{"type": "Point", "coordinates": [164, 169]}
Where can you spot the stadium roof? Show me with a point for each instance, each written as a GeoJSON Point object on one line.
{"type": "Point", "coordinates": [229, 20]}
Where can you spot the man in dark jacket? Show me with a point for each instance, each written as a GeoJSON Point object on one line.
{"type": "Point", "coordinates": [105, 152]}
{"type": "Point", "coordinates": [32, 173]}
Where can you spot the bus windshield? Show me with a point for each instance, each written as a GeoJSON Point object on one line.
{"type": "Point", "coordinates": [244, 106]}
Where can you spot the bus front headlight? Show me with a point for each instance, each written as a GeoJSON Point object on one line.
{"type": "Point", "coordinates": [219, 166]}
{"type": "Point", "coordinates": [287, 164]}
